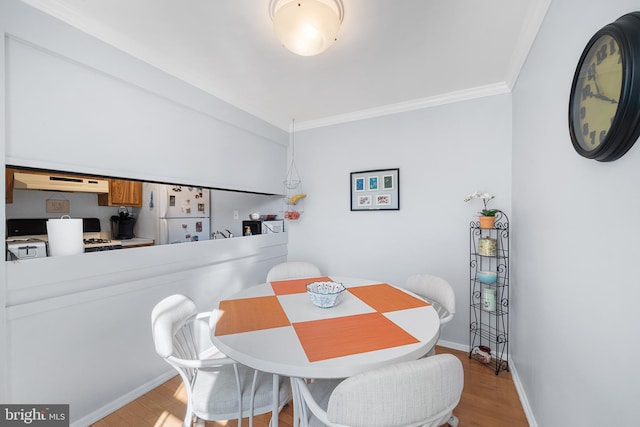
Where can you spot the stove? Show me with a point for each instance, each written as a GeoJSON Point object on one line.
{"type": "Point", "coordinates": [93, 244]}
{"type": "Point", "coordinates": [25, 233]}
{"type": "Point", "coordinates": [95, 241]}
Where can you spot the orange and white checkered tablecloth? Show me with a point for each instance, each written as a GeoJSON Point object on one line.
{"type": "Point", "coordinates": [362, 322]}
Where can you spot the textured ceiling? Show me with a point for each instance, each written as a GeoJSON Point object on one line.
{"type": "Point", "coordinates": [390, 55]}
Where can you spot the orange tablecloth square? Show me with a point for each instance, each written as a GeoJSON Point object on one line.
{"type": "Point", "coordinates": [295, 286]}
{"type": "Point", "coordinates": [342, 336]}
{"type": "Point", "coordinates": [384, 298]}
{"type": "Point", "coordinates": [250, 314]}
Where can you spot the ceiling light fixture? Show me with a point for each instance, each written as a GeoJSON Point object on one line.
{"type": "Point", "coordinates": [306, 27]}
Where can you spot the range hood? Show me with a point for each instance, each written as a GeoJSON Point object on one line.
{"type": "Point", "coordinates": [57, 182]}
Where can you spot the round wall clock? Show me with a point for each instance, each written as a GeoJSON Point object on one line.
{"type": "Point", "coordinates": [604, 106]}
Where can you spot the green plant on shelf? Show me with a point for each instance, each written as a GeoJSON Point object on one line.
{"type": "Point", "coordinates": [486, 197]}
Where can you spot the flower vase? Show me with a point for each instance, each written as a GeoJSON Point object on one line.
{"type": "Point", "coordinates": [487, 221]}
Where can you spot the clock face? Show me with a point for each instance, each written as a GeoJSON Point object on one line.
{"type": "Point", "coordinates": [596, 95]}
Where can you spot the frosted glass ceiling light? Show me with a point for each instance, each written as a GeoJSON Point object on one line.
{"type": "Point", "coordinates": [306, 27]}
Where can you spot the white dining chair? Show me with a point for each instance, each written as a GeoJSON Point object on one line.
{"type": "Point", "coordinates": [292, 270]}
{"type": "Point", "coordinates": [217, 387]}
{"type": "Point", "coordinates": [420, 392]}
{"type": "Point", "coordinates": [436, 291]}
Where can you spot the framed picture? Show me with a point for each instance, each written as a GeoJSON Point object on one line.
{"type": "Point", "coordinates": [373, 183]}
{"type": "Point", "coordinates": [375, 190]}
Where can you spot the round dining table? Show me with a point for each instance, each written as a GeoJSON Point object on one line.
{"type": "Point", "coordinates": [275, 328]}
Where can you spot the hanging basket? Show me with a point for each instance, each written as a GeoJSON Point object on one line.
{"type": "Point", "coordinates": [293, 186]}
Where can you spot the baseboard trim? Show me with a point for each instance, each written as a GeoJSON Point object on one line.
{"type": "Point", "coordinates": [454, 345]}
{"type": "Point", "coordinates": [113, 406]}
{"type": "Point", "coordinates": [523, 396]}
{"type": "Point", "coordinates": [514, 375]}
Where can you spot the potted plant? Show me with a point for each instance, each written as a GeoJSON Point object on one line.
{"type": "Point", "coordinates": [487, 216]}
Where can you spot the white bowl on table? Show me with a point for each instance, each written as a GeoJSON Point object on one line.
{"type": "Point", "coordinates": [325, 294]}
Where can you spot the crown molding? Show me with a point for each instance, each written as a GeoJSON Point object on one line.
{"type": "Point", "coordinates": [401, 107]}
{"type": "Point", "coordinates": [525, 42]}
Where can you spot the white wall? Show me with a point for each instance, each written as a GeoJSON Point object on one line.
{"type": "Point", "coordinates": [575, 285]}
{"type": "Point", "coordinates": [226, 203]}
{"type": "Point", "coordinates": [75, 329]}
{"type": "Point", "coordinates": [76, 104]}
{"type": "Point", "coordinates": [444, 153]}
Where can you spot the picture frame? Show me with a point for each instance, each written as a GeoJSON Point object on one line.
{"type": "Point", "coordinates": [375, 190]}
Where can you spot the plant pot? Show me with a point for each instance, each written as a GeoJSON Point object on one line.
{"type": "Point", "coordinates": [487, 221]}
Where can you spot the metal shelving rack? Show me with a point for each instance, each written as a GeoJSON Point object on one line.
{"type": "Point", "coordinates": [490, 328]}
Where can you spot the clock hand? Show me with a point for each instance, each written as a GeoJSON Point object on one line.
{"type": "Point", "coordinates": [604, 98]}
{"type": "Point", "coordinates": [595, 81]}
{"type": "Point", "coordinates": [598, 94]}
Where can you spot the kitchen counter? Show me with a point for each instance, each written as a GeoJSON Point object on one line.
{"type": "Point", "coordinates": [136, 242]}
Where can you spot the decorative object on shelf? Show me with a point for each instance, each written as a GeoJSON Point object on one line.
{"type": "Point", "coordinates": [293, 194]}
{"type": "Point", "coordinates": [604, 105]}
{"type": "Point", "coordinates": [306, 27]}
{"type": "Point", "coordinates": [489, 299]}
{"type": "Point", "coordinates": [487, 246]}
{"type": "Point", "coordinates": [487, 277]}
{"type": "Point", "coordinates": [482, 353]}
{"type": "Point", "coordinates": [375, 190]}
{"type": "Point", "coordinates": [489, 292]}
{"type": "Point", "coordinates": [487, 216]}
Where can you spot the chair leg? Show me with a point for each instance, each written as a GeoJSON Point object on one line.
{"type": "Point", "coordinates": [190, 420]}
{"type": "Point", "coordinates": [453, 421]}
{"type": "Point", "coordinates": [253, 395]}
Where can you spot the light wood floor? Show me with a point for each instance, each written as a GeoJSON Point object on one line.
{"type": "Point", "coordinates": [488, 400]}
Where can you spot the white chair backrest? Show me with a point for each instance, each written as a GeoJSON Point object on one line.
{"type": "Point", "coordinates": [293, 270]}
{"type": "Point", "coordinates": [183, 338]}
{"type": "Point", "coordinates": [168, 317]}
{"type": "Point", "coordinates": [433, 288]}
{"type": "Point", "coordinates": [418, 392]}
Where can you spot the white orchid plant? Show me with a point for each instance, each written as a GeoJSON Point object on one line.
{"type": "Point", "coordinates": [486, 197]}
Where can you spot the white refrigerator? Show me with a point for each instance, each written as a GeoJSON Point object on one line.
{"type": "Point", "coordinates": [174, 213]}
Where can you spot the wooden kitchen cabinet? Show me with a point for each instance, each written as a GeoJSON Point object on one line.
{"type": "Point", "coordinates": [122, 193]}
{"type": "Point", "coordinates": [8, 185]}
